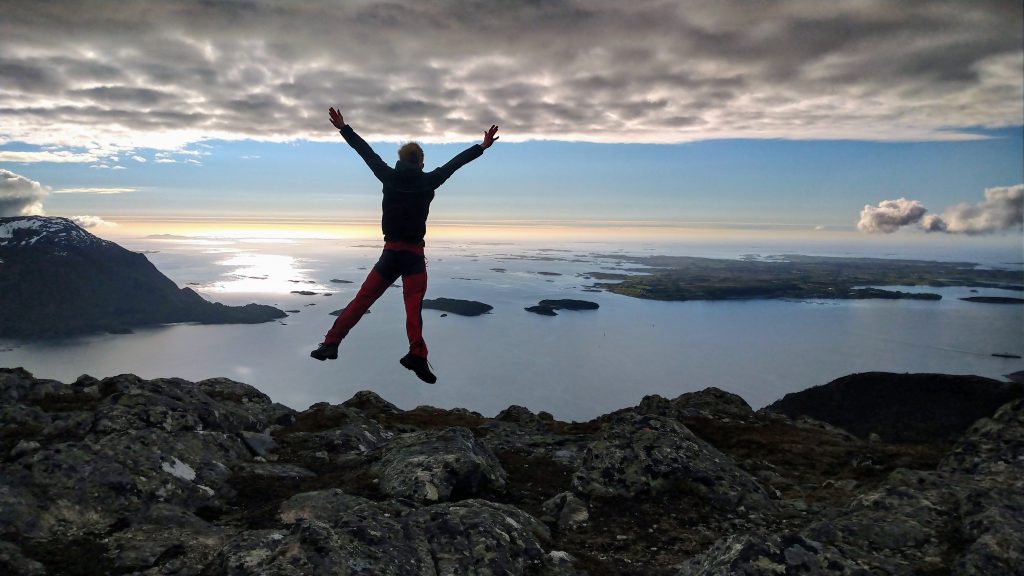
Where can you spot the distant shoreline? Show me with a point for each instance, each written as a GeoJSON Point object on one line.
{"type": "Point", "coordinates": [681, 278]}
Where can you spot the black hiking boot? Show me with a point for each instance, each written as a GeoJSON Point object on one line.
{"type": "Point", "coordinates": [420, 366]}
{"type": "Point", "coordinates": [325, 352]}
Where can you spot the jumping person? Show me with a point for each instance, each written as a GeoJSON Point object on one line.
{"type": "Point", "coordinates": [408, 191]}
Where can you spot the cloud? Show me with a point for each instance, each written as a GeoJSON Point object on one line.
{"type": "Point", "coordinates": [20, 196]}
{"type": "Point", "coordinates": [138, 158]}
{"type": "Point", "coordinates": [94, 190]}
{"type": "Point", "coordinates": [87, 221]}
{"type": "Point", "coordinates": [62, 156]}
{"type": "Point", "coordinates": [890, 215]}
{"type": "Point", "coordinates": [1002, 209]}
{"type": "Point", "coordinates": [164, 75]}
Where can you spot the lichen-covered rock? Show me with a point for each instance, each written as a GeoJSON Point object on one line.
{"type": "Point", "coordinates": [904, 526]}
{"type": "Point", "coordinates": [335, 533]}
{"type": "Point", "coordinates": [337, 431]}
{"type": "Point", "coordinates": [166, 536]}
{"type": "Point", "coordinates": [771, 555]}
{"type": "Point", "coordinates": [992, 509]}
{"type": "Point", "coordinates": [13, 562]}
{"type": "Point", "coordinates": [707, 403]}
{"type": "Point", "coordinates": [566, 511]}
{"type": "Point", "coordinates": [370, 403]}
{"type": "Point", "coordinates": [644, 454]}
{"type": "Point", "coordinates": [992, 446]}
{"type": "Point", "coordinates": [272, 470]}
{"type": "Point", "coordinates": [437, 466]}
{"type": "Point", "coordinates": [249, 399]}
{"type": "Point", "coordinates": [520, 415]}
{"type": "Point", "coordinates": [898, 528]}
{"type": "Point", "coordinates": [172, 404]}
{"type": "Point", "coordinates": [84, 487]}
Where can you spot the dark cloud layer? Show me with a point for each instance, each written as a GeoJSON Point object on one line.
{"type": "Point", "coordinates": [111, 75]}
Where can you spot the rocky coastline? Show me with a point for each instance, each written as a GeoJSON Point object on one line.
{"type": "Point", "coordinates": [131, 476]}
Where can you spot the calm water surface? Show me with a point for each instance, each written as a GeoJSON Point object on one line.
{"type": "Point", "coordinates": [576, 365]}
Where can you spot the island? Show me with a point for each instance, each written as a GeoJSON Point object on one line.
{"type": "Point", "coordinates": [794, 276]}
{"type": "Point", "coordinates": [548, 307]}
{"type": "Point", "coordinates": [455, 306]}
{"type": "Point", "coordinates": [993, 300]}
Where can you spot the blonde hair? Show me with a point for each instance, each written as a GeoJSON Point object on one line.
{"type": "Point", "coordinates": [411, 153]}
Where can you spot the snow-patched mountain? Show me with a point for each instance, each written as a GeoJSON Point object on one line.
{"type": "Point", "coordinates": [43, 231]}
{"type": "Point", "coordinates": [56, 279]}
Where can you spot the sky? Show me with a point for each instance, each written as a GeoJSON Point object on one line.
{"type": "Point", "coordinates": [863, 117]}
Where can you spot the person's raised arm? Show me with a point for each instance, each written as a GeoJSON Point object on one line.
{"type": "Point", "coordinates": [489, 137]}
{"type": "Point", "coordinates": [379, 167]}
{"type": "Point", "coordinates": [439, 175]}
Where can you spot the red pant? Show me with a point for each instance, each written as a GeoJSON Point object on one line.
{"type": "Point", "coordinates": [398, 259]}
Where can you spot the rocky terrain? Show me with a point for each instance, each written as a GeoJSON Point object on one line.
{"type": "Point", "coordinates": [58, 280]}
{"type": "Point", "coordinates": [132, 476]}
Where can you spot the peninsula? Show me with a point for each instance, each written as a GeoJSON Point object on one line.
{"type": "Point", "coordinates": [794, 276]}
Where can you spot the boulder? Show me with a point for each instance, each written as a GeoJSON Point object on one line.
{"type": "Point", "coordinates": [437, 466]}
{"type": "Point", "coordinates": [770, 555]}
{"type": "Point", "coordinates": [566, 511]}
{"type": "Point", "coordinates": [370, 403]}
{"type": "Point", "coordinates": [992, 509]}
{"type": "Point", "coordinates": [520, 415]}
{"type": "Point", "coordinates": [331, 532]}
{"type": "Point", "coordinates": [644, 454]}
{"type": "Point", "coordinates": [169, 537]}
{"type": "Point", "coordinates": [977, 494]}
{"type": "Point", "coordinates": [335, 430]}
{"type": "Point", "coordinates": [707, 403]}
{"type": "Point", "coordinates": [12, 561]}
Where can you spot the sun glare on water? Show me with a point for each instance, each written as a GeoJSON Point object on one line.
{"type": "Point", "coordinates": [251, 272]}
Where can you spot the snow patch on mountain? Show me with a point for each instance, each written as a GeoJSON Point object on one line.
{"type": "Point", "coordinates": [30, 230]}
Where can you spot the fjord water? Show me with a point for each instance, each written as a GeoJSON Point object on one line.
{"type": "Point", "coordinates": [575, 365]}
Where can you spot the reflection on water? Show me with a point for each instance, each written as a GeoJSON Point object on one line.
{"type": "Point", "coordinates": [252, 272]}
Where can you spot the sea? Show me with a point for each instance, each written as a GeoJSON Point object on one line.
{"type": "Point", "coordinates": [576, 365]}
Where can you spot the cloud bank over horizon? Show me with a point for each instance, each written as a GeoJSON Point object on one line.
{"type": "Point", "coordinates": [20, 196]}
{"type": "Point", "coordinates": [87, 80]}
{"type": "Point", "coordinates": [1002, 209]}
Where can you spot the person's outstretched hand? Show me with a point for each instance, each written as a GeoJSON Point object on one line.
{"type": "Point", "coordinates": [489, 137]}
{"type": "Point", "coordinates": [337, 119]}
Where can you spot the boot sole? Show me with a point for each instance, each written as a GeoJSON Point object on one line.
{"type": "Point", "coordinates": [413, 370]}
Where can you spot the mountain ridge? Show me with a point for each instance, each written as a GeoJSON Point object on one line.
{"type": "Point", "coordinates": [59, 280]}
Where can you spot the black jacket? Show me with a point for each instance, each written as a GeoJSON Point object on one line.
{"type": "Point", "coordinates": [408, 190]}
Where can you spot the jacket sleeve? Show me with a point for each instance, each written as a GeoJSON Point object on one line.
{"type": "Point", "coordinates": [380, 169]}
{"type": "Point", "coordinates": [439, 175]}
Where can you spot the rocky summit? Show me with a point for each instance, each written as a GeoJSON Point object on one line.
{"type": "Point", "coordinates": [169, 477]}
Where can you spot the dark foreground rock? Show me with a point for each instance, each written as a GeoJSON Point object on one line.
{"type": "Point", "coordinates": [132, 476]}
{"type": "Point", "coordinates": [901, 407]}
